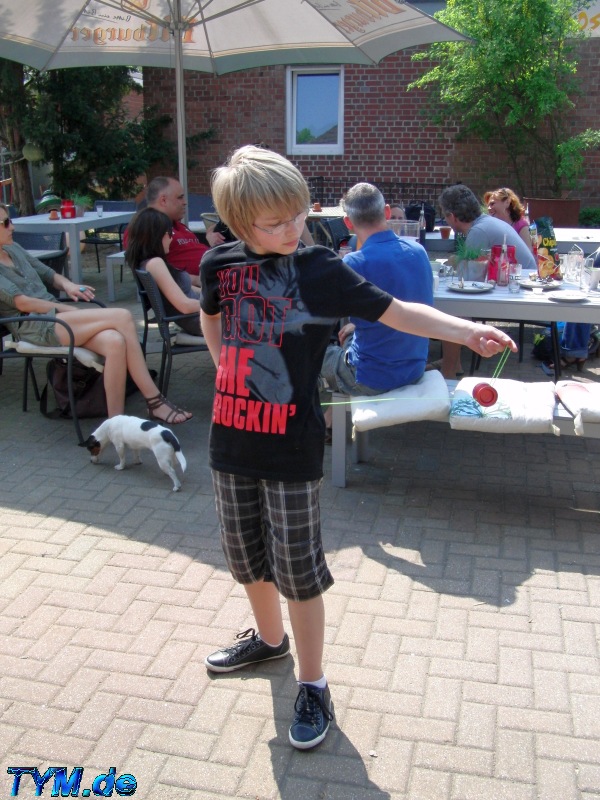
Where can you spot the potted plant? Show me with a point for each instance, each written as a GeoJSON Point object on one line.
{"type": "Point", "coordinates": [471, 262]}
{"type": "Point", "coordinates": [570, 162]}
{"type": "Point", "coordinates": [81, 201]}
{"type": "Point", "coordinates": [564, 210]}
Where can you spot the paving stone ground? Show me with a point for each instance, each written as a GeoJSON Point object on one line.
{"type": "Point", "coordinates": [462, 631]}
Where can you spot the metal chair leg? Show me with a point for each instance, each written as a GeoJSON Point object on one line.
{"type": "Point", "coordinates": [555, 350]}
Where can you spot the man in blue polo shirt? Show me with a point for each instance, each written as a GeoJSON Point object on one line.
{"type": "Point", "coordinates": [372, 358]}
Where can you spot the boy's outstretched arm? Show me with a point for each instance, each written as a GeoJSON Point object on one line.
{"type": "Point", "coordinates": [422, 320]}
{"type": "Point", "coordinates": [211, 330]}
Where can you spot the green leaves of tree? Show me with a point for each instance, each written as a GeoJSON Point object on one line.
{"type": "Point", "coordinates": [78, 118]}
{"type": "Point", "coordinates": [513, 83]}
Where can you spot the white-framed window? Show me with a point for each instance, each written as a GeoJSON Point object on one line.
{"type": "Point", "coordinates": [315, 111]}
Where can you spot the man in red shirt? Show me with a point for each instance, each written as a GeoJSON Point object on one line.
{"type": "Point", "coordinates": [166, 195]}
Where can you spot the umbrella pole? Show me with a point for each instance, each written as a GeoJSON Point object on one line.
{"type": "Point", "coordinates": [180, 102]}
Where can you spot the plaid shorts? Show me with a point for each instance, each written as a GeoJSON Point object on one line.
{"type": "Point", "coordinates": [271, 530]}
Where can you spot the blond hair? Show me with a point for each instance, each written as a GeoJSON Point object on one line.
{"type": "Point", "coordinates": [255, 181]}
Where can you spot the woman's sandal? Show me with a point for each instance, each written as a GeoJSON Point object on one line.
{"type": "Point", "coordinates": [152, 403]}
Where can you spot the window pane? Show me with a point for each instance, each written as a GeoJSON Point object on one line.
{"type": "Point", "coordinates": [317, 104]}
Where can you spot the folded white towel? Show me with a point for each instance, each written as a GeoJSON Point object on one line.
{"type": "Point", "coordinates": [521, 407]}
{"type": "Point", "coordinates": [427, 399]}
{"type": "Point", "coordinates": [582, 400]}
{"type": "Point", "coordinates": [82, 354]}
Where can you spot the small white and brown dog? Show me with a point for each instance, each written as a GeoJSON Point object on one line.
{"type": "Point", "coordinates": [137, 434]}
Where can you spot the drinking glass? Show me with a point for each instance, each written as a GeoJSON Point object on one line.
{"type": "Point", "coordinates": [99, 209]}
{"type": "Point", "coordinates": [574, 264]}
{"type": "Point", "coordinates": [514, 278]}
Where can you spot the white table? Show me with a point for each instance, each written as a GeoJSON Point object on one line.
{"type": "Point", "coordinates": [500, 304]}
{"type": "Point", "coordinates": [587, 238]}
{"type": "Point", "coordinates": [41, 223]}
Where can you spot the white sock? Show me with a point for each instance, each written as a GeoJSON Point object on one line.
{"type": "Point", "coordinates": [273, 645]}
{"type": "Point", "coordinates": [320, 684]}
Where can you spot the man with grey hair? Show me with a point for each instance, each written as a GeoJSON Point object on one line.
{"type": "Point", "coordinates": [462, 211]}
{"type": "Point", "coordinates": [373, 358]}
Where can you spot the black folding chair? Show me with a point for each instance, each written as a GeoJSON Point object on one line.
{"type": "Point", "coordinates": [170, 349]}
{"type": "Point", "coordinates": [39, 353]}
{"type": "Point", "coordinates": [112, 236]}
{"type": "Point", "coordinates": [46, 241]}
{"type": "Point", "coordinates": [338, 231]}
{"type": "Point", "coordinates": [28, 371]}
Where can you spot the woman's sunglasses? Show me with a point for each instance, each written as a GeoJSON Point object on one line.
{"type": "Point", "coordinates": [6, 222]}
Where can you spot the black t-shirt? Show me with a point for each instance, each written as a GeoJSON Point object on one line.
{"type": "Point", "coordinates": [277, 315]}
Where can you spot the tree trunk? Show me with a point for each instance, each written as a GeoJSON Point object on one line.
{"type": "Point", "coordinates": [19, 172]}
{"type": "Point", "coordinates": [13, 80]}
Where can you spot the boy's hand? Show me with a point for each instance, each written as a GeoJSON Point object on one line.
{"type": "Point", "coordinates": [487, 341]}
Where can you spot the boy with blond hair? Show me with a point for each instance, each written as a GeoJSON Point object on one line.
{"type": "Point", "coordinates": [268, 309]}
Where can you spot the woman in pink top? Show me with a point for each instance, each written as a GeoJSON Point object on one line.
{"type": "Point", "coordinates": [505, 205]}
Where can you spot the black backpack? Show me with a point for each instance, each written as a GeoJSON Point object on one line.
{"type": "Point", "coordinates": [413, 212]}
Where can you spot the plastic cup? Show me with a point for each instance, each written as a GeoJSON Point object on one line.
{"type": "Point", "coordinates": [99, 209]}
{"type": "Point", "coordinates": [445, 231]}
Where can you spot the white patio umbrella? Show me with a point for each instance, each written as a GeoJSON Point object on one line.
{"type": "Point", "coordinates": [215, 36]}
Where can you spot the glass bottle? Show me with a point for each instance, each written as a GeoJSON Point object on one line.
{"type": "Point", "coordinates": [422, 225]}
{"type": "Point", "coordinates": [503, 266]}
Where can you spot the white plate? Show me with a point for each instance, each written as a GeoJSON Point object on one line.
{"type": "Point", "coordinates": [468, 289]}
{"type": "Point", "coordinates": [568, 297]}
{"type": "Point", "coordinates": [546, 287]}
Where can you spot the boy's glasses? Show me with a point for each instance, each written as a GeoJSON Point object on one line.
{"type": "Point", "coordinates": [6, 222]}
{"type": "Point", "coordinates": [274, 230]}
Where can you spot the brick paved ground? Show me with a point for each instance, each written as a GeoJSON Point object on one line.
{"type": "Point", "coordinates": [462, 631]}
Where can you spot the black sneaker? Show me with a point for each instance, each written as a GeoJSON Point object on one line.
{"type": "Point", "coordinates": [249, 650]}
{"type": "Point", "coordinates": [314, 712]}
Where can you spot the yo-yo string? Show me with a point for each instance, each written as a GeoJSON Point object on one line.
{"type": "Point", "coordinates": [361, 399]}
{"type": "Point", "coordinates": [500, 364]}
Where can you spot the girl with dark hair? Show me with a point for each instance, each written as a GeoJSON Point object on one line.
{"type": "Point", "coordinates": [150, 234]}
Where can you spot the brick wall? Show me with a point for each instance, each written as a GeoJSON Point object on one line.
{"type": "Point", "coordinates": [387, 137]}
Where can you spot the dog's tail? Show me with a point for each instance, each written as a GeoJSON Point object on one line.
{"type": "Point", "coordinates": [171, 439]}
